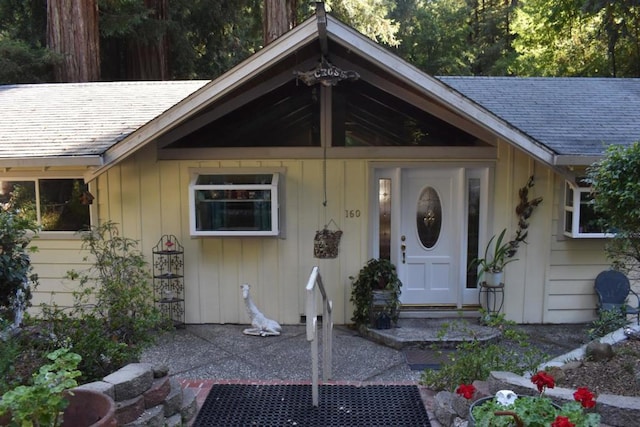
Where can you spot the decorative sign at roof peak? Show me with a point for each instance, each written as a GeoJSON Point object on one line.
{"type": "Point", "coordinates": [326, 74]}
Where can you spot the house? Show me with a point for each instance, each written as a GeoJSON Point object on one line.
{"type": "Point", "coordinates": [323, 127]}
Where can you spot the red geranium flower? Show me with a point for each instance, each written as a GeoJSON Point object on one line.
{"type": "Point", "coordinates": [543, 380]}
{"type": "Point", "coordinates": [562, 422]}
{"type": "Point", "coordinates": [169, 244]}
{"type": "Point", "coordinates": [466, 390]}
{"type": "Point", "coordinates": [585, 397]}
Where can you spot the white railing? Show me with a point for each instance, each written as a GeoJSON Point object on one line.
{"type": "Point", "coordinates": [315, 283]}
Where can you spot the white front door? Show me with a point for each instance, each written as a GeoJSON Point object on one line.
{"type": "Point", "coordinates": [431, 227]}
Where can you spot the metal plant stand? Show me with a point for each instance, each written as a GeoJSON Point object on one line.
{"type": "Point", "coordinates": [168, 279]}
{"type": "Point", "coordinates": [491, 298]}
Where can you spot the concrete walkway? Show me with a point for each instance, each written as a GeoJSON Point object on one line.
{"type": "Point", "coordinates": [202, 355]}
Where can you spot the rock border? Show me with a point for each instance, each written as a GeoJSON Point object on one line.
{"type": "Point", "coordinates": [146, 396]}
{"type": "Point", "coordinates": [452, 410]}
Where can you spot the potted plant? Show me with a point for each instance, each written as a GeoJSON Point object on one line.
{"type": "Point", "coordinates": [377, 285]}
{"type": "Point", "coordinates": [493, 263]}
{"type": "Point", "coordinates": [507, 409]}
{"type": "Point", "coordinates": [51, 400]}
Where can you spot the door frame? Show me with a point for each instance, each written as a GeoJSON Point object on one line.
{"type": "Point", "coordinates": [481, 171]}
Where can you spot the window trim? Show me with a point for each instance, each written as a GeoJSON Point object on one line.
{"type": "Point", "coordinates": [276, 187]}
{"type": "Point", "coordinates": [574, 209]}
{"type": "Point", "coordinates": [54, 234]}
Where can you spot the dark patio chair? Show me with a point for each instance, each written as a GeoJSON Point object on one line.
{"type": "Point", "coordinates": [613, 290]}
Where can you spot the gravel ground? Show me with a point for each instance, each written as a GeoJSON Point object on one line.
{"type": "Point", "coordinates": [619, 375]}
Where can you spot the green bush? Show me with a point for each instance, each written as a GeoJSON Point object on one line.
{"type": "Point", "coordinates": [16, 277]}
{"type": "Point", "coordinates": [117, 287]}
{"type": "Point", "coordinates": [9, 352]}
{"type": "Point", "coordinates": [113, 317]}
{"type": "Point", "coordinates": [90, 337]}
{"type": "Point", "coordinates": [475, 359]}
{"type": "Point", "coordinates": [42, 402]}
{"type": "Point", "coordinates": [607, 322]}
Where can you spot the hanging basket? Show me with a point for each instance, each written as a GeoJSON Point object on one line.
{"type": "Point", "coordinates": [326, 242]}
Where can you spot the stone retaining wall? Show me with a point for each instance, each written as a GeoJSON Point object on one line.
{"type": "Point", "coordinates": [147, 396]}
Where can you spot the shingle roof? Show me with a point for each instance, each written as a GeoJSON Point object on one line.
{"type": "Point", "coordinates": [79, 119]}
{"type": "Point", "coordinates": [572, 116]}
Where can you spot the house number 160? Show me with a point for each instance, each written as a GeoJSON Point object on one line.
{"type": "Point", "coordinates": [353, 213]}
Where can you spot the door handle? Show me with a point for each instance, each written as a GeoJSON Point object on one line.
{"type": "Point", "coordinates": [403, 248]}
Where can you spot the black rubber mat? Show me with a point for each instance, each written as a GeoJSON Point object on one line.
{"type": "Point", "coordinates": [419, 360]}
{"type": "Point", "coordinates": [291, 405]}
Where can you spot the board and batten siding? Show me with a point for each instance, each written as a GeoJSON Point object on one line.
{"type": "Point", "coordinates": [525, 279]}
{"type": "Point", "coordinates": [552, 281]}
{"type": "Point", "coordinates": [148, 199]}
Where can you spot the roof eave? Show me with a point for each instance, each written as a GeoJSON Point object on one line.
{"type": "Point", "coordinates": [53, 161]}
{"type": "Point", "coordinates": [576, 160]}
{"type": "Point", "coordinates": [200, 99]}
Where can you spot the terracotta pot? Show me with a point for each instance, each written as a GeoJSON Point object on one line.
{"type": "Point", "coordinates": [88, 408]}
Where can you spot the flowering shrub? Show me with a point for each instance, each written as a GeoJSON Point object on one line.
{"type": "Point", "coordinates": [535, 411]}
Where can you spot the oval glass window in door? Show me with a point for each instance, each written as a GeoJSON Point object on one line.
{"type": "Point", "coordinates": [429, 217]}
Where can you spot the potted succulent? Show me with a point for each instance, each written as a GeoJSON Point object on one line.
{"type": "Point", "coordinates": [507, 409]}
{"type": "Point", "coordinates": [376, 286]}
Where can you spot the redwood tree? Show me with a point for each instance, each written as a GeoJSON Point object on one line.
{"type": "Point", "coordinates": [279, 17]}
{"type": "Point", "coordinates": [72, 32]}
{"type": "Point", "coordinates": [147, 55]}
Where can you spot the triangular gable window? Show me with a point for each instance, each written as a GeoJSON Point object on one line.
{"type": "Point", "coordinates": [287, 116]}
{"type": "Point", "coordinates": [361, 115]}
{"type": "Point", "coordinates": [364, 115]}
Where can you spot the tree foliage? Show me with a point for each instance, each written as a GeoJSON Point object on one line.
{"type": "Point", "coordinates": [432, 37]}
{"type": "Point", "coordinates": [16, 272]}
{"type": "Point", "coordinates": [577, 38]}
{"type": "Point", "coordinates": [370, 17]}
{"type": "Point", "coordinates": [187, 39]}
{"type": "Point", "coordinates": [616, 188]}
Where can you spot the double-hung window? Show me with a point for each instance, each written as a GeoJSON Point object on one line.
{"type": "Point", "coordinates": [58, 204]}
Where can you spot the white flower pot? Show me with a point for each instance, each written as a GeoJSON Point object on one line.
{"type": "Point", "coordinates": [493, 279]}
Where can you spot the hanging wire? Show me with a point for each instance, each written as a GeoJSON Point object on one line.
{"type": "Point", "coordinates": [324, 175]}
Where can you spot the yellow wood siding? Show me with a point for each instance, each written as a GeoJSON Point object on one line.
{"type": "Point", "coordinates": [148, 199]}
{"type": "Point", "coordinates": [551, 281]}
{"type": "Point", "coordinates": [573, 266]}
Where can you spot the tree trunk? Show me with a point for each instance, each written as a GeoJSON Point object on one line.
{"type": "Point", "coordinates": [279, 17]}
{"type": "Point", "coordinates": [147, 58]}
{"type": "Point", "coordinates": [72, 32]}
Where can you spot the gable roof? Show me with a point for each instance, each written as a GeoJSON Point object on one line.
{"type": "Point", "coordinates": [572, 116]}
{"type": "Point", "coordinates": [79, 120]}
{"type": "Point", "coordinates": [556, 120]}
